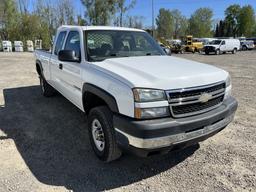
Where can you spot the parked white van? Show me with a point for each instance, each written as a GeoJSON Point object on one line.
{"type": "Point", "coordinates": [18, 45]}
{"type": "Point", "coordinates": [222, 46]}
{"type": "Point", "coordinates": [7, 46]}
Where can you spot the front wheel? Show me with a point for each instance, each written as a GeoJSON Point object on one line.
{"type": "Point", "coordinates": [46, 88]}
{"type": "Point", "coordinates": [217, 52]}
{"type": "Point", "coordinates": [102, 135]}
{"type": "Point", "coordinates": [244, 48]}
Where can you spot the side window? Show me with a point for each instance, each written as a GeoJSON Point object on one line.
{"type": "Point", "coordinates": [223, 43]}
{"type": "Point", "coordinates": [59, 42]}
{"type": "Point", "coordinates": [73, 43]}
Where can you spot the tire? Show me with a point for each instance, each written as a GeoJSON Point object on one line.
{"type": "Point", "coordinates": [244, 48]}
{"type": "Point", "coordinates": [47, 90]}
{"type": "Point", "coordinates": [217, 52]}
{"type": "Point", "coordinates": [234, 51]}
{"type": "Point", "coordinates": [207, 53]}
{"type": "Point", "coordinates": [102, 135]}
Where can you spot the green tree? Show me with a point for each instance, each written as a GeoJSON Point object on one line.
{"type": "Point", "coordinates": [81, 21]}
{"type": "Point", "coordinates": [9, 19]}
{"type": "Point", "coordinates": [65, 12]}
{"type": "Point", "coordinates": [217, 31]}
{"type": "Point", "coordinates": [200, 23]}
{"type": "Point", "coordinates": [246, 21]}
{"type": "Point", "coordinates": [122, 9]}
{"type": "Point", "coordinates": [180, 24]}
{"type": "Point", "coordinates": [98, 12]}
{"type": "Point", "coordinates": [134, 22]}
{"type": "Point", "coordinates": [231, 20]}
{"type": "Point", "coordinates": [164, 22]}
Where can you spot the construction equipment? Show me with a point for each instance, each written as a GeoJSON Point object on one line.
{"type": "Point", "coordinates": [165, 45]}
{"type": "Point", "coordinates": [192, 45]}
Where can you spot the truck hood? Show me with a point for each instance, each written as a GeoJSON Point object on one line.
{"type": "Point", "coordinates": [161, 72]}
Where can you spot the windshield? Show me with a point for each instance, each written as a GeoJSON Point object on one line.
{"type": "Point", "coordinates": [103, 44]}
{"type": "Point", "coordinates": [215, 42]}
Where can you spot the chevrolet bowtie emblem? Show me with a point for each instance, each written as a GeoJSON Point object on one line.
{"type": "Point", "coordinates": [205, 97]}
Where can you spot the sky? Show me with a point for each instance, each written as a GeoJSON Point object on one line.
{"type": "Point", "coordinates": [187, 7]}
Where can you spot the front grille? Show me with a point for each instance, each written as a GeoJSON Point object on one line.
{"type": "Point", "coordinates": [198, 91]}
{"type": "Point", "coordinates": [187, 102]}
{"type": "Point", "coordinates": [190, 108]}
{"type": "Point", "coordinates": [209, 48]}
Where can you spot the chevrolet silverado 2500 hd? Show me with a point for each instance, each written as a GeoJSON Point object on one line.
{"type": "Point", "coordinates": [137, 98]}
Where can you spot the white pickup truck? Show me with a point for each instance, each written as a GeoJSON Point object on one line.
{"type": "Point", "coordinates": [137, 98]}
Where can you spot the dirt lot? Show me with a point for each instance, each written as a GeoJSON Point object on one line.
{"type": "Point", "coordinates": [44, 144]}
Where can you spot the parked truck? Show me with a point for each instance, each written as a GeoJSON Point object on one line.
{"type": "Point", "coordinates": [246, 44]}
{"type": "Point", "coordinates": [137, 98]}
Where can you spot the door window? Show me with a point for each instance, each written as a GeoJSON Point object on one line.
{"type": "Point", "coordinates": [59, 42]}
{"type": "Point", "coordinates": [73, 43]}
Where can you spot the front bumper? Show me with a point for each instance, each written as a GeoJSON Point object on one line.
{"type": "Point", "coordinates": [209, 49]}
{"type": "Point", "coordinates": [167, 132]}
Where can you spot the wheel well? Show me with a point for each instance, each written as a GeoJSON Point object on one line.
{"type": "Point", "coordinates": [38, 69]}
{"type": "Point", "coordinates": [91, 100]}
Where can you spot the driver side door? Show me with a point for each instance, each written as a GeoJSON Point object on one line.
{"type": "Point", "coordinates": [223, 46]}
{"type": "Point", "coordinates": [71, 81]}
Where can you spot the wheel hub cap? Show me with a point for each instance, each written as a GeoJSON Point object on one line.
{"type": "Point", "coordinates": [98, 135]}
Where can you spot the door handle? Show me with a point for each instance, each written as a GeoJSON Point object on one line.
{"type": "Point", "coordinates": [60, 66]}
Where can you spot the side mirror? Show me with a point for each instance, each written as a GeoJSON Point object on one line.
{"type": "Point", "coordinates": [68, 55]}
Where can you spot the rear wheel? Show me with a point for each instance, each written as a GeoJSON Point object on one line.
{"type": "Point", "coordinates": [244, 48]}
{"type": "Point", "coordinates": [234, 51]}
{"type": "Point", "coordinates": [46, 88]}
{"type": "Point", "coordinates": [102, 135]}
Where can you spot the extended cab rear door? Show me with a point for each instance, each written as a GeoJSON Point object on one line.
{"type": "Point", "coordinates": [69, 73]}
{"type": "Point", "coordinates": [54, 62]}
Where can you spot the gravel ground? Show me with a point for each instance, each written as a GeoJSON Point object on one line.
{"type": "Point", "coordinates": [44, 144]}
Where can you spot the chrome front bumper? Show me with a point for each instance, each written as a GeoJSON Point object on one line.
{"type": "Point", "coordinates": [166, 141]}
{"type": "Point", "coordinates": [167, 132]}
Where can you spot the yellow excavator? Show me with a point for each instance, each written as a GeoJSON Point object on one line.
{"type": "Point", "coordinates": [192, 45]}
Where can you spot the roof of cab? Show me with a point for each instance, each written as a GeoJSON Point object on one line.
{"type": "Point", "coordinates": [87, 28]}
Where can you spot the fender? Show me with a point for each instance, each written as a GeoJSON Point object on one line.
{"type": "Point", "coordinates": [105, 96]}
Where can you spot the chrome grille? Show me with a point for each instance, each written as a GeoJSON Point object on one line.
{"type": "Point", "coordinates": [189, 101]}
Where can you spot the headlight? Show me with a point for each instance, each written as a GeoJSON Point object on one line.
{"type": "Point", "coordinates": [228, 88]}
{"type": "Point", "coordinates": [228, 81]}
{"type": "Point", "coordinates": [148, 95]}
{"type": "Point", "coordinates": [148, 113]}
